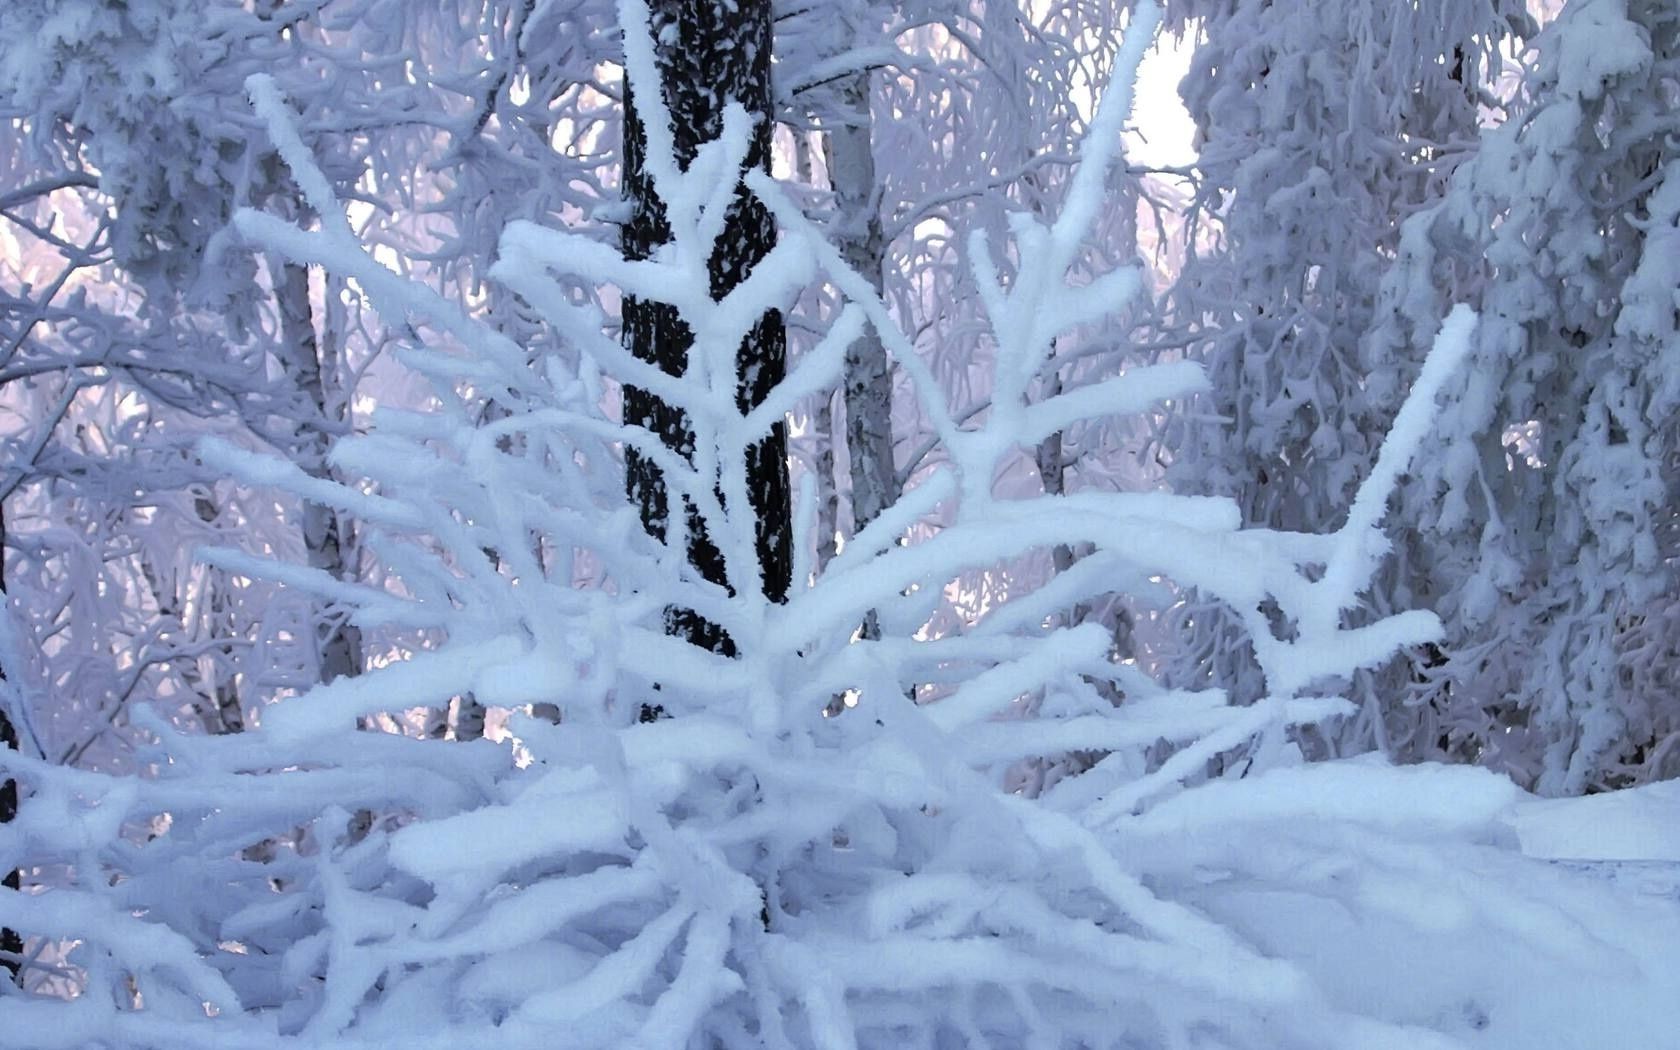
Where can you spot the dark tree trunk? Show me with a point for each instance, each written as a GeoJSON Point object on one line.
{"type": "Point", "coordinates": [11, 943]}
{"type": "Point", "coordinates": [710, 52]}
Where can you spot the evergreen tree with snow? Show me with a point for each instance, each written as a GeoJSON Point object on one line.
{"type": "Point", "coordinates": [1541, 523]}
{"type": "Point", "coordinates": [1320, 125]}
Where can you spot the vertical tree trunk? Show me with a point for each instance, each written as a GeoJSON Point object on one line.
{"type": "Point", "coordinates": [310, 360]}
{"type": "Point", "coordinates": [822, 413]}
{"type": "Point", "coordinates": [867, 390]}
{"type": "Point", "coordinates": [1050, 455]}
{"type": "Point", "coordinates": [710, 52]}
{"type": "Point", "coordinates": [339, 645]}
{"type": "Point", "coordinates": [858, 236]}
{"type": "Point", "coordinates": [11, 942]}
{"type": "Point", "coordinates": [220, 708]}
{"type": "Point", "coordinates": [1051, 459]}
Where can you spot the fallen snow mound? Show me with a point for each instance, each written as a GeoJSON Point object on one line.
{"type": "Point", "coordinates": [1639, 824]}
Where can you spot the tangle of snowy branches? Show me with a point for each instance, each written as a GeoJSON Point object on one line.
{"type": "Point", "coordinates": [763, 866]}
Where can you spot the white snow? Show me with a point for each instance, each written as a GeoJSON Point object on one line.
{"type": "Point", "coordinates": [1634, 824]}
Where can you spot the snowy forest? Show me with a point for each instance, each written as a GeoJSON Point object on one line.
{"type": "Point", "coordinates": [840, 524]}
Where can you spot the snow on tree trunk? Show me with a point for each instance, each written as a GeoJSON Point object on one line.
{"type": "Point", "coordinates": [11, 942]}
{"type": "Point", "coordinates": [823, 434]}
{"type": "Point", "coordinates": [857, 233]}
{"type": "Point", "coordinates": [218, 702]}
{"type": "Point", "coordinates": [709, 53]}
{"type": "Point", "coordinates": [747, 872]}
{"type": "Point", "coordinates": [1050, 455]}
{"type": "Point", "coordinates": [303, 355]}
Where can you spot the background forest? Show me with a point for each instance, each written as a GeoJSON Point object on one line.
{"type": "Point", "coordinates": [840, 523]}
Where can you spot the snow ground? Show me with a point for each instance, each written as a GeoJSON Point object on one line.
{"type": "Point", "coordinates": [1554, 926]}
{"type": "Point", "coordinates": [1640, 824]}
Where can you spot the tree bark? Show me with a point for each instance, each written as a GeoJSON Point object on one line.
{"type": "Point", "coordinates": [859, 237]}
{"type": "Point", "coordinates": [11, 942]}
{"type": "Point", "coordinates": [710, 52]}
{"type": "Point", "coordinates": [822, 412]}
{"type": "Point", "coordinates": [219, 707]}
{"type": "Point", "coordinates": [339, 645]}
{"type": "Point", "coordinates": [867, 388]}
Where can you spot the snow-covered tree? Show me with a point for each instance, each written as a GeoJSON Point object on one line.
{"type": "Point", "coordinates": [1320, 126]}
{"type": "Point", "coordinates": [1542, 519]}
{"type": "Point", "coordinates": [130, 124]}
{"type": "Point", "coordinates": [847, 119]}
{"type": "Point", "coordinates": [747, 869]}
{"type": "Point", "coordinates": [932, 116]}
{"type": "Point", "coordinates": [709, 56]}
{"type": "Point", "coordinates": [922, 797]}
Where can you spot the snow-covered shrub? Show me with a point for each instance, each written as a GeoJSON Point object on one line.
{"type": "Point", "coordinates": [761, 866]}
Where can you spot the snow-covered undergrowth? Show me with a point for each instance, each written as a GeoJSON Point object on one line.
{"type": "Point", "coordinates": [746, 871]}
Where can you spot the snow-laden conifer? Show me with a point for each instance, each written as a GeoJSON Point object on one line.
{"type": "Point", "coordinates": [1320, 125]}
{"type": "Point", "coordinates": [1542, 520]}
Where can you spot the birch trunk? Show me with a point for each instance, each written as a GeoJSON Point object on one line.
{"type": "Point", "coordinates": [308, 359]}
{"type": "Point", "coordinates": [338, 644]}
{"type": "Point", "coordinates": [858, 235]}
{"type": "Point", "coordinates": [219, 706]}
{"type": "Point", "coordinates": [822, 414]}
{"type": "Point", "coordinates": [867, 390]}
